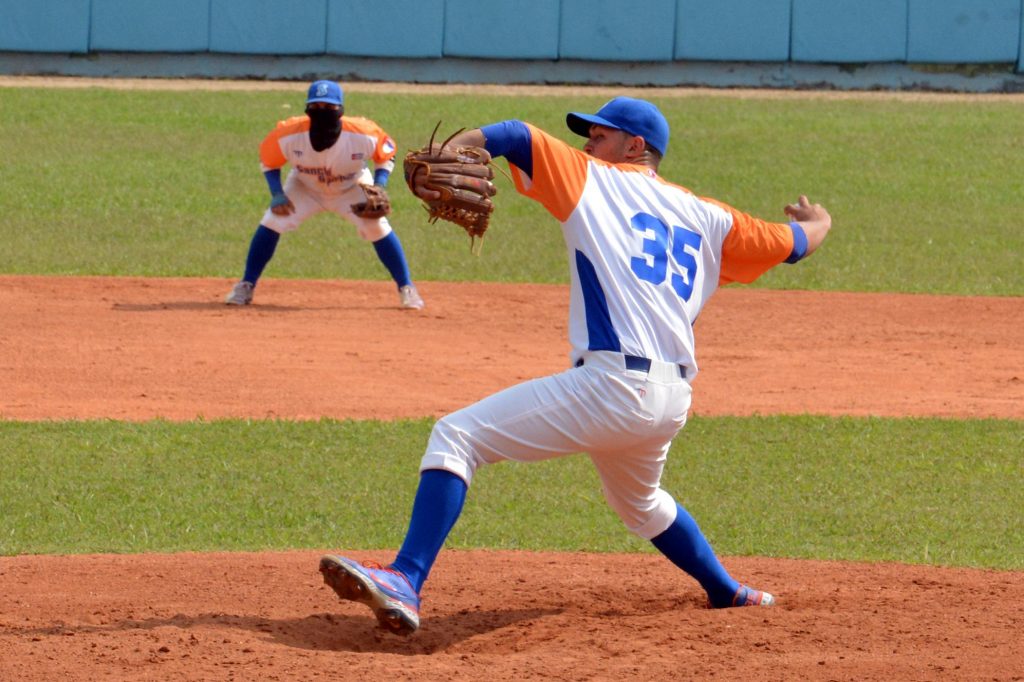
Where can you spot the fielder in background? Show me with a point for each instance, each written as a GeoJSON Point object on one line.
{"type": "Point", "coordinates": [329, 154]}
{"type": "Point", "coordinates": [645, 255]}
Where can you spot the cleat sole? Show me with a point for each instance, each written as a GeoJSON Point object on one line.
{"type": "Point", "coordinates": [355, 587]}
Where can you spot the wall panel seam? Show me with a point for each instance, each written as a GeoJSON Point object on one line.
{"type": "Point", "coordinates": [792, 12]}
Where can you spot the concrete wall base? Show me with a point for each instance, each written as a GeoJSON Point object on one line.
{"type": "Point", "coordinates": [788, 75]}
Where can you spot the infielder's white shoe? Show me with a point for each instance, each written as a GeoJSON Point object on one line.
{"type": "Point", "coordinates": [410, 297]}
{"type": "Point", "coordinates": [241, 294]}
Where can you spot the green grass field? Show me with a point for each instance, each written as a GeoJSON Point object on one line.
{"type": "Point", "coordinates": [926, 197]}
{"type": "Point", "coordinates": [924, 491]}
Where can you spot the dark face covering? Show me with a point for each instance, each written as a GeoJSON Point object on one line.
{"type": "Point", "coordinates": [324, 127]}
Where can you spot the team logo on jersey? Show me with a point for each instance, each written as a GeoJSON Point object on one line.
{"type": "Point", "coordinates": [389, 146]}
{"type": "Point", "coordinates": [357, 156]}
{"type": "Point", "coordinates": [324, 175]}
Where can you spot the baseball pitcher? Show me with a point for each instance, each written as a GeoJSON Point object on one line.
{"type": "Point", "coordinates": [644, 256]}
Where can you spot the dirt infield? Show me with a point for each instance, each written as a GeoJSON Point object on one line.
{"type": "Point", "coordinates": [137, 349]}
{"type": "Point", "coordinates": [169, 348]}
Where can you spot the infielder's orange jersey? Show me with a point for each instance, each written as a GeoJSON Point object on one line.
{"type": "Point", "coordinates": [335, 169]}
{"type": "Point", "coordinates": [644, 254]}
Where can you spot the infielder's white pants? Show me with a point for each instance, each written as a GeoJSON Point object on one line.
{"type": "Point", "coordinates": [624, 419]}
{"type": "Point", "coordinates": [309, 202]}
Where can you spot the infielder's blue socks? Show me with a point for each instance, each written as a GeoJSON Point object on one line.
{"type": "Point", "coordinates": [437, 506]}
{"type": "Point", "coordinates": [389, 250]}
{"type": "Point", "coordinates": [261, 250]}
{"type": "Point", "coordinates": [687, 548]}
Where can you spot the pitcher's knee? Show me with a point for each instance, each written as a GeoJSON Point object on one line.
{"type": "Point", "coordinates": [647, 517]}
{"type": "Point", "coordinates": [450, 448]}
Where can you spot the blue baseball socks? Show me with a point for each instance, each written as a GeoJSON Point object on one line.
{"type": "Point", "coordinates": [686, 547]}
{"type": "Point", "coordinates": [438, 503]}
{"type": "Point", "coordinates": [264, 244]}
{"type": "Point", "coordinates": [261, 250]}
{"type": "Point", "coordinates": [389, 251]}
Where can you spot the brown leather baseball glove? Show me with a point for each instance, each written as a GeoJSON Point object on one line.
{"type": "Point", "coordinates": [377, 204]}
{"type": "Point", "coordinates": [454, 183]}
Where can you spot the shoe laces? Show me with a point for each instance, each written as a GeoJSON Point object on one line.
{"type": "Point", "coordinates": [747, 596]}
{"type": "Point", "coordinates": [376, 566]}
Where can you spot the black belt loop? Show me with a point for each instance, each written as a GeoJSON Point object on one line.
{"type": "Point", "coordinates": [639, 364]}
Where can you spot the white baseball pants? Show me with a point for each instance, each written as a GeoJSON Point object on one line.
{"type": "Point", "coordinates": [309, 202]}
{"type": "Point", "coordinates": [623, 419]}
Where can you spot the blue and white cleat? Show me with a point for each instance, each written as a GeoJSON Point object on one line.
{"type": "Point", "coordinates": [748, 596]}
{"type": "Point", "coordinates": [385, 590]}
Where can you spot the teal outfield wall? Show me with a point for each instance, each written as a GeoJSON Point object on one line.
{"type": "Point", "coordinates": [838, 32]}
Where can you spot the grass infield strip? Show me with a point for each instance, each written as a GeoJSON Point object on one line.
{"type": "Point", "coordinates": [926, 195]}
{"type": "Point", "coordinates": [931, 491]}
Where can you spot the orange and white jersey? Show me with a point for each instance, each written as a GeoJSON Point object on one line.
{"type": "Point", "coordinates": [336, 169]}
{"type": "Point", "coordinates": [645, 255]}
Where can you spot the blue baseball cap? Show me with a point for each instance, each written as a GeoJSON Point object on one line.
{"type": "Point", "coordinates": [635, 116]}
{"type": "Point", "coordinates": [324, 91]}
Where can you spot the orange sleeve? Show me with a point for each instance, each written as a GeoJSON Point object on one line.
{"type": "Point", "coordinates": [559, 174]}
{"type": "Point", "coordinates": [271, 155]}
{"type": "Point", "coordinates": [752, 247]}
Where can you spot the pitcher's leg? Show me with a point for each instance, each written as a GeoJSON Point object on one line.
{"type": "Point", "coordinates": [536, 420]}
{"type": "Point", "coordinates": [438, 504]}
{"type": "Point", "coordinates": [686, 547]}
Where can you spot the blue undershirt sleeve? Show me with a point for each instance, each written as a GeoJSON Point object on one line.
{"type": "Point", "coordinates": [380, 177]}
{"type": "Point", "coordinates": [799, 243]}
{"type": "Point", "coordinates": [512, 140]}
{"type": "Point", "coordinates": [273, 177]}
